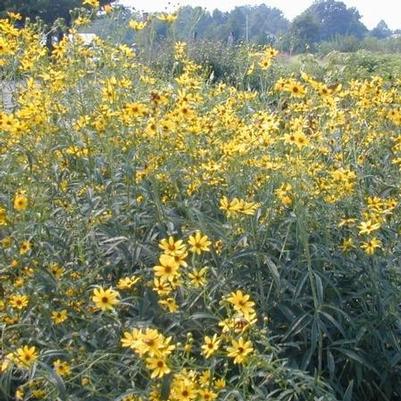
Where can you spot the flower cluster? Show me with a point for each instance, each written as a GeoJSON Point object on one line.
{"type": "Point", "coordinates": [170, 238]}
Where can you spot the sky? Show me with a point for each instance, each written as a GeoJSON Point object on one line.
{"type": "Point", "coordinates": [372, 11]}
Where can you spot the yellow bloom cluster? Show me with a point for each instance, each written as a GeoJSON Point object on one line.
{"type": "Point", "coordinates": [161, 213]}
{"type": "Point", "coordinates": [153, 347]}
{"type": "Point", "coordinates": [377, 212]}
{"type": "Point", "coordinates": [238, 206]}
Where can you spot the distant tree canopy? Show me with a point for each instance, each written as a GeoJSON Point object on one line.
{"type": "Point", "coordinates": [334, 18]}
{"type": "Point", "coordinates": [304, 32]}
{"type": "Point", "coordinates": [254, 24]}
{"type": "Point", "coordinates": [325, 21]}
{"type": "Point", "coordinates": [381, 31]}
{"type": "Point", "coordinates": [47, 10]}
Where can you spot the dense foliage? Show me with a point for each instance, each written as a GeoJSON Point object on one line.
{"type": "Point", "coordinates": [166, 237]}
{"type": "Point", "coordinates": [334, 18]}
{"type": "Point", "coordinates": [326, 25]}
{"type": "Point", "coordinates": [47, 10]}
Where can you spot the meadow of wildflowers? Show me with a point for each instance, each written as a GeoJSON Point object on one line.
{"type": "Point", "coordinates": [182, 240]}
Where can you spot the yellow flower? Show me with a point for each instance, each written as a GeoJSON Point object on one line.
{"type": "Point", "coordinates": [207, 395]}
{"type": "Point", "coordinates": [241, 324]}
{"type": "Point", "coordinates": [183, 389]}
{"type": "Point", "coordinates": [134, 110]}
{"type": "Point", "coordinates": [105, 299]}
{"type": "Point", "coordinates": [250, 69]}
{"type": "Point", "coordinates": [15, 16]}
{"type": "Point", "coordinates": [107, 8]}
{"type": "Point", "coordinates": [169, 18]}
{"type": "Point", "coordinates": [366, 227]}
{"type": "Point", "coordinates": [91, 3]}
{"type": "Point", "coordinates": [301, 140]}
{"type": "Point", "coordinates": [270, 52]}
{"type": "Point", "coordinates": [127, 282]}
{"type": "Point", "coordinates": [198, 277]}
{"type": "Point", "coordinates": [220, 383]}
{"type": "Point", "coordinates": [370, 246]}
{"type": "Point", "coordinates": [3, 216]}
{"type": "Point", "coordinates": [168, 269]}
{"type": "Point", "coordinates": [26, 356]}
{"type": "Point", "coordinates": [239, 350]}
{"type": "Point", "coordinates": [169, 304]}
{"type": "Point", "coordinates": [158, 366]}
{"type": "Point", "coordinates": [199, 243]}
{"type": "Point", "coordinates": [136, 25]}
{"type": "Point", "coordinates": [298, 138]}
{"type": "Point", "coordinates": [249, 208]}
{"type": "Point", "coordinates": [62, 368]}
{"type": "Point", "coordinates": [20, 201]}
{"type": "Point", "coordinates": [218, 246]}
{"type": "Point", "coordinates": [242, 303]}
{"type": "Point", "coordinates": [180, 258]}
{"type": "Point", "coordinates": [162, 287]}
{"type": "Point", "coordinates": [237, 206]}
{"type": "Point", "coordinates": [131, 397]}
{"type": "Point", "coordinates": [80, 21]}
{"type": "Point", "coordinates": [131, 338]}
{"type": "Point", "coordinates": [172, 247]}
{"type": "Point", "coordinates": [6, 362]}
{"type": "Point", "coordinates": [19, 301]}
{"type": "Point", "coordinates": [296, 89]}
{"type": "Point", "coordinates": [210, 346]}
{"type": "Point", "coordinates": [230, 207]}
{"type": "Point", "coordinates": [205, 378]}
{"type": "Point", "coordinates": [347, 244]}
{"type": "Point", "coordinates": [25, 247]}
{"type": "Point", "coordinates": [56, 270]}
{"type": "Point", "coordinates": [59, 317]}
{"type": "Point", "coordinates": [124, 283]}
{"type": "Point", "coordinates": [39, 394]}
{"type": "Point", "coordinates": [149, 342]}
{"type": "Point", "coordinates": [19, 394]}
{"type": "Point", "coordinates": [6, 242]}
{"type": "Point", "coordinates": [349, 222]}
{"type": "Point", "coordinates": [283, 193]}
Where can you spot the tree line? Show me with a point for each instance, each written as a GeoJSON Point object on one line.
{"type": "Point", "coordinates": [323, 21]}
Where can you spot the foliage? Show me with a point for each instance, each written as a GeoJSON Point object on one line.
{"type": "Point", "coordinates": [334, 18]}
{"type": "Point", "coordinates": [47, 10]}
{"type": "Point", "coordinates": [254, 24]}
{"type": "Point", "coordinates": [381, 31]}
{"type": "Point", "coordinates": [304, 33]}
{"type": "Point", "coordinates": [112, 27]}
{"type": "Point", "coordinates": [168, 237]}
{"type": "Point", "coordinates": [349, 44]}
{"type": "Point", "coordinates": [364, 64]}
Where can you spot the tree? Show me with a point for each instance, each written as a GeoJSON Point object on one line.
{"type": "Point", "coordinates": [257, 24]}
{"type": "Point", "coordinates": [334, 18]}
{"type": "Point", "coordinates": [266, 23]}
{"type": "Point", "coordinates": [304, 33]}
{"type": "Point", "coordinates": [192, 22]}
{"type": "Point", "coordinates": [381, 31]}
{"type": "Point", "coordinates": [113, 27]}
{"type": "Point", "coordinates": [46, 10]}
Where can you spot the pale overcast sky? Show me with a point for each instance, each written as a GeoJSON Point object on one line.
{"type": "Point", "coordinates": [372, 11]}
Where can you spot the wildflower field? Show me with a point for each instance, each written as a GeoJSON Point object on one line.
{"type": "Point", "coordinates": [183, 240]}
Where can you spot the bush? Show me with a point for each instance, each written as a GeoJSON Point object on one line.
{"type": "Point", "coordinates": [168, 237]}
